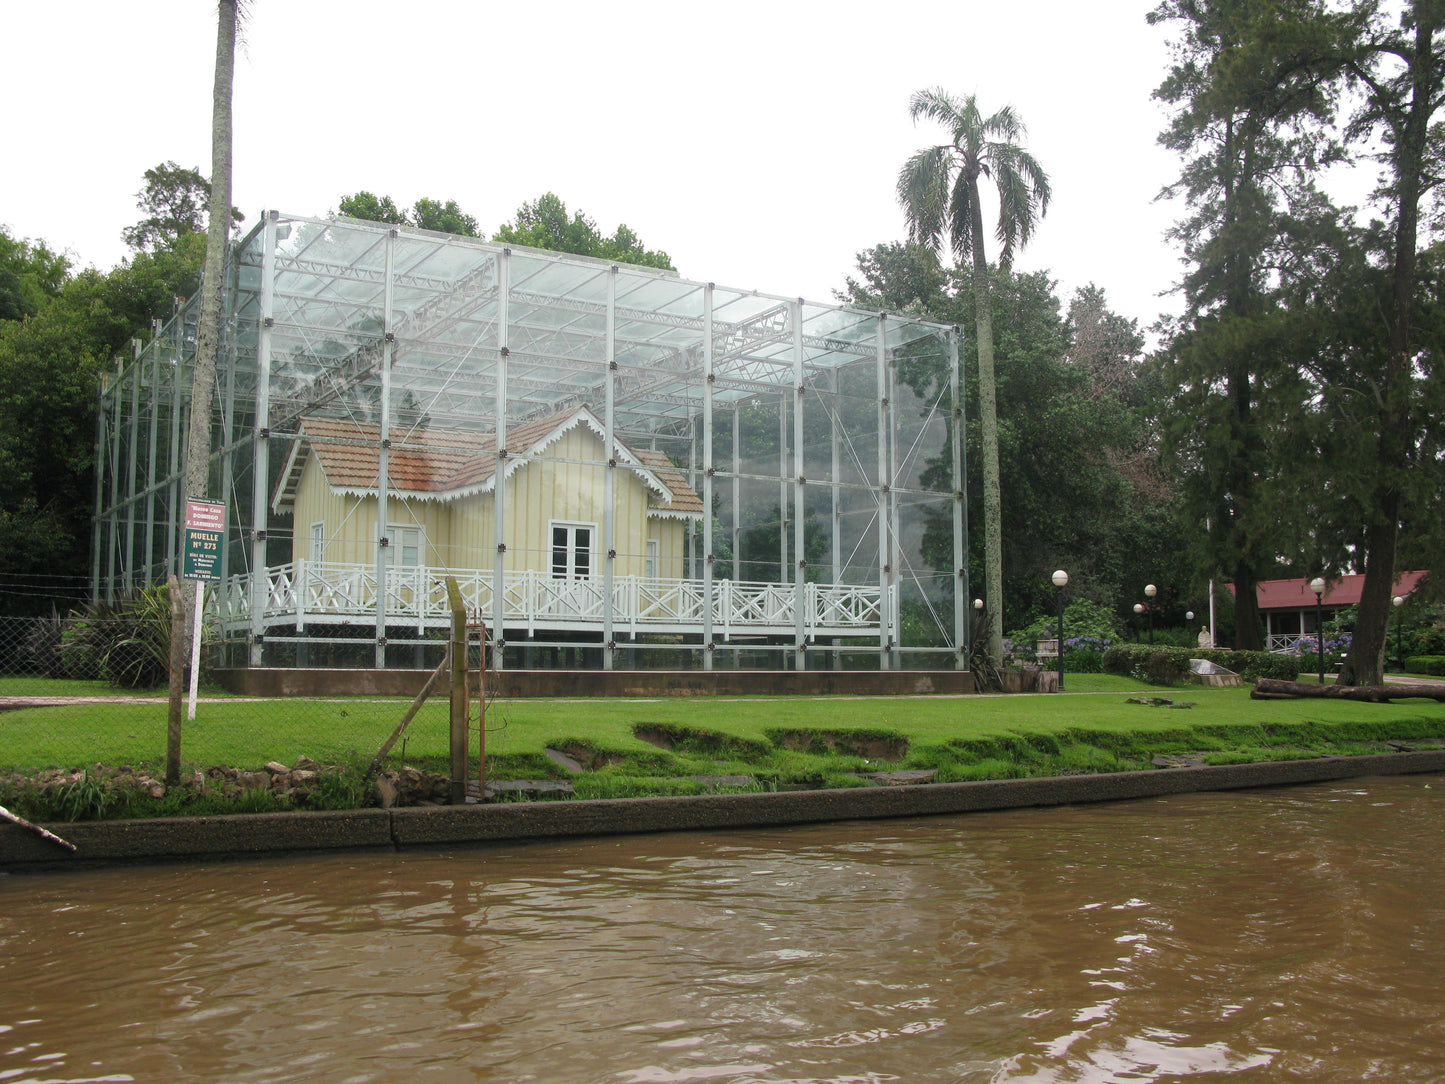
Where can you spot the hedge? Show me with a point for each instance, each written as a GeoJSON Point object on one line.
{"type": "Point", "coordinates": [1434, 665]}
{"type": "Point", "coordinates": [1166, 665]}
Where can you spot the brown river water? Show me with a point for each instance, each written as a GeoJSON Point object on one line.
{"type": "Point", "coordinates": [1286, 934]}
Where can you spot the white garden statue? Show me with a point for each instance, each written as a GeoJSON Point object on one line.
{"type": "Point", "coordinates": [1205, 640]}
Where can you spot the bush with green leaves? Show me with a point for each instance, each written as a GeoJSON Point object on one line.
{"type": "Point", "coordinates": [127, 643]}
{"type": "Point", "coordinates": [1434, 665]}
{"type": "Point", "coordinates": [1137, 661]}
{"type": "Point", "coordinates": [1087, 626]}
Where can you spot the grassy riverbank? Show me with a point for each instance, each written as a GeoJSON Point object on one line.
{"type": "Point", "coordinates": [679, 746]}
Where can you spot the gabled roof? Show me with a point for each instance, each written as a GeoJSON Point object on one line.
{"type": "Point", "coordinates": [448, 464]}
{"type": "Point", "coordinates": [1345, 591]}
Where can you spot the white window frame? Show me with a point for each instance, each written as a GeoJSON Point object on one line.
{"type": "Point", "coordinates": [652, 561]}
{"type": "Point", "coordinates": [317, 553]}
{"type": "Point", "coordinates": [394, 534]}
{"type": "Point", "coordinates": [572, 548]}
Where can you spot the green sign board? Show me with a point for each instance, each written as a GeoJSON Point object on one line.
{"type": "Point", "coordinates": [205, 537]}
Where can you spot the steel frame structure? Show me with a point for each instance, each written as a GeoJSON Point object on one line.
{"type": "Point", "coordinates": [830, 433]}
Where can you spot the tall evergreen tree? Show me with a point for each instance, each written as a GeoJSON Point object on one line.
{"type": "Point", "coordinates": [1401, 70]}
{"type": "Point", "coordinates": [1251, 110]}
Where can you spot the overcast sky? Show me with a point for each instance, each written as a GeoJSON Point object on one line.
{"type": "Point", "coordinates": [757, 143]}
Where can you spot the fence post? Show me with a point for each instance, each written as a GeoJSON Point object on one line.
{"type": "Point", "coordinates": [460, 706]}
{"type": "Point", "coordinates": [178, 679]}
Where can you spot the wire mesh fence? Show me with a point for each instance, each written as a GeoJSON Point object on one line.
{"type": "Point", "coordinates": [82, 691]}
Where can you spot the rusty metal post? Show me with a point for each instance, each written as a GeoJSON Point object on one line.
{"type": "Point", "coordinates": [460, 706]}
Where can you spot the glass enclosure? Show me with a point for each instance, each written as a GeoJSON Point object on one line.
{"type": "Point", "coordinates": [618, 467]}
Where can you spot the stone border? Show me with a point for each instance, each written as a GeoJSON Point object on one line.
{"type": "Point", "coordinates": [163, 839]}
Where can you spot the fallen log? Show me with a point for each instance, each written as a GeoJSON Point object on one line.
{"type": "Point", "coordinates": [1273, 689]}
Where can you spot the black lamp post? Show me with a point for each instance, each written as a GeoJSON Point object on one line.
{"type": "Point", "coordinates": [1149, 592]}
{"type": "Point", "coordinates": [1399, 600]}
{"type": "Point", "coordinates": [1139, 609]}
{"type": "Point", "coordinates": [1061, 580]}
{"type": "Point", "coordinates": [1317, 585]}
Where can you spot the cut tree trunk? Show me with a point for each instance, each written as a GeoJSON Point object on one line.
{"type": "Point", "coordinates": [1273, 689]}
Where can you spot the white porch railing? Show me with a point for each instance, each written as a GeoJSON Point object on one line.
{"type": "Point", "coordinates": [307, 592]}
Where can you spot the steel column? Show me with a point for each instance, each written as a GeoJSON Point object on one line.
{"type": "Point", "coordinates": [800, 523]}
{"type": "Point", "coordinates": [383, 464]}
{"type": "Point", "coordinates": [885, 620]}
{"type": "Point", "coordinates": [707, 479]}
{"type": "Point", "coordinates": [961, 602]}
{"type": "Point", "coordinates": [609, 487]}
{"type": "Point", "coordinates": [261, 452]}
{"type": "Point", "coordinates": [499, 479]}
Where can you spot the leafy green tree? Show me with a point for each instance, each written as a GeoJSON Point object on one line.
{"type": "Point", "coordinates": [939, 191]}
{"type": "Point", "coordinates": [1075, 458]}
{"type": "Point", "coordinates": [430, 214]}
{"type": "Point", "coordinates": [175, 201]}
{"type": "Point", "coordinates": [373, 208]}
{"type": "Point", "coordinates": [1250, 120]}
{"type": "Point", "coordinates": [1400, 68]}
{"type": "Point", "coordinates": [50, 364]}
{"type": "Point", "coordinates": [425, 214]}
{"type": "Point", "coordinates": [545, 223]}
{"type": "Point", "coordinates": [31, 275]}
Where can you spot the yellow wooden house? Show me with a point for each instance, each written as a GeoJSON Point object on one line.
{"type": "Point", "coordinates": [441, 497]}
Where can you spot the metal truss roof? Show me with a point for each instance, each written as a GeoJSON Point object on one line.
{"type": "Point", "coordinates": [334, 279]}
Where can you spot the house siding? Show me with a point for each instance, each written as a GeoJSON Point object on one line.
{"type": "Point", "coordinates": [566, 484]}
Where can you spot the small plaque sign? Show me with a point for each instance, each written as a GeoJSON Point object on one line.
{"type": "Point", "coordinates": [204, 538]}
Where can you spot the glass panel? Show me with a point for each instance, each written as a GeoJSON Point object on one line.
{"type": "Point", "coordinates": [559, 553]}
{"type": "Point", "coordinates": [582, 554]}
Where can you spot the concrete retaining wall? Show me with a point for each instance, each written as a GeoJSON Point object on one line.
{"type": "Point", "coordinates": [256, 834]}
{"type": "Point", "coordinates": [523, 684]}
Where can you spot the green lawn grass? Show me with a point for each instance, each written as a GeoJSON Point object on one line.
{"type": "Point", "coordinates": [775, 740]}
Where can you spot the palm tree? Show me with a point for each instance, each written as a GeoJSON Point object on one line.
{"type": "Point", "coordinates": [939, 190]}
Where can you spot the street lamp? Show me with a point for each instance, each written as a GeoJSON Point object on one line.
{"type": "Point", "coordinates": [1139, 609]}
{"type": "Point", "coordinates": [1399, 600]}
{"type": "Point", "coordinates": [1150, 591]}
{"type": "Point", "coordinates": [1061, 580]}
{"type": "Point", "coordinates": [1317, 585]}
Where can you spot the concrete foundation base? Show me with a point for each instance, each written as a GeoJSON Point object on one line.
{"type": "Point", "coordinates": [523, 684]}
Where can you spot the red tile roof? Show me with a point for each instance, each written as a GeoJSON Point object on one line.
{"type": "Point", "coordinates": [448, 463]}
{"type": "Point", "coordinates": [1345, 591]}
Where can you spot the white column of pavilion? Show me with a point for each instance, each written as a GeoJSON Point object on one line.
{"type": "Point", "coordinates": [835, 542]}
{"type": "Point", "coordinates": [132, 503]}
{"type": "Point", "coordinates": [383, 455]}
{"type": "Point", "coordinates": [228, 435]}
{"type": "Point", "coordinates": [177, 481]}
{"type": "Point", "coordinates": [153, 406]}
{"type": "Point", "coordinates": [261, 444]}
{"type": "Point", "coordinates": [609, 488]}
{"type": "Point", "coordinates": [96, 525]}
{"type": "Point", "coordinates": [961, 605]}
{"type": "Point", "coordinates": [499, 504]}
{"type": "Point", "coordinates": [709, 601]}
{"type": "Point", "coordinates": [885, 596]}
{"type": "Point", "coordinates": [800, 562]}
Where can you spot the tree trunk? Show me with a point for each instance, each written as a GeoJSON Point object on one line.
{"type": "Point", "coordinates": [1410, 121]}
{"type": "Point", "coordinates": [208, 329]}
{"type": "Point", "coordinates": [1273, 689]}
{"type": "Point", "coordinates": [218, 230]}
{"type": "Point", "coordinates": [988, 438]}
{"type": "Point", "coordinates": [1248, 630]}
